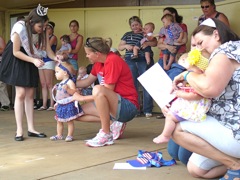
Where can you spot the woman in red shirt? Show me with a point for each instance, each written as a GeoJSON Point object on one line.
{"type": "Point", "coordinates": [114, 100]}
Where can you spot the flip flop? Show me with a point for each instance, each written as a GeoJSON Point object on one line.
{"type": "Point", "coordinates": [42, 108]}
{"type": "Point", "coordinates": [231, 175]}
{"type": "Point", "coordinates": [50, 108]}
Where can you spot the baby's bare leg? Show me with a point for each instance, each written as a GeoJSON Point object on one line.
{"type": "Point", "coordinates": [165, 59]}
{"type": "Point", "coordinates": [171, 60]}
{"type": "Point", "coordinates": [148, 57]}
{"type": "Point", "coordinates": [135, 50]}
{"type": "Point", "coordinates": [70, 128]}
{"type": "Point", "coordinates": [59, 128]}
{"type": "Point", "coordinates": [170, 124]}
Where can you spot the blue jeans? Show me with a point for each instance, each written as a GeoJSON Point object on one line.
{"type": "Point", "coordinates": [86, 91]}
{"type": "Point", "coordinates": [178, 153]}
{"type": "Point", "coordinates": [138, 67]}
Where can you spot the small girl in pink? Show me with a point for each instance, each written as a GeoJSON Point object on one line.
{"type": "Point", "coordinates": [189, 106]}
{"type": "Point", "coordinates": [66, 109]}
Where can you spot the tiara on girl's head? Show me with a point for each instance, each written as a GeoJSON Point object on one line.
{"type": "Point", "coordinates": [41, 11]}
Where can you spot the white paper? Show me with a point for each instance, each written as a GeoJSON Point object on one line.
{"type": "Point", "coordinates": [158, 85]}
{"type": "Point", "coordinates": [127, 166]}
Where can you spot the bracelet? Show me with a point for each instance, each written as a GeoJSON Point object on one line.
{"type": "Point", "coordinates": [185, 76]}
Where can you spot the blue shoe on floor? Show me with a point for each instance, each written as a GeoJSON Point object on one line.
{"type": "Point", "coordinates": [148, 155]}
{"type": "Point", "coordinates": [151, 156]}
{"type": "Point", "coordinates": [140, 162]}
{"type": "Point", "coordinates": [150, 159]}
{"type": "Point", "coordinates": [165, 162]}
{"type": "Point", "coordinates": [231, 175]}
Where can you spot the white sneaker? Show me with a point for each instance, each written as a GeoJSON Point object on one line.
{"type": "Point", "coordinates": [148, 115]}
{"type": "Point", "coordinates": [117, 129]}
{"type": "Point", "coordinates": [101, 139]}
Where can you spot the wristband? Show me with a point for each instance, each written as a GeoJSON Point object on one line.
{"type": "Point", "coordinates": [185, 76]}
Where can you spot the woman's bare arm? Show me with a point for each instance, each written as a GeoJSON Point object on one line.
{"type": "Point", "coordinates": [208, 84]}
{"type": "Point", "coordinates": [122, 46]}
{"type": "Point", "coordinates": [86, 82]}
{"type": "Point", "coordinates": [161, 45]}
{"type": "Point", "coordinates": [152, 43]}
{"type": "Point", "coordinates": [19, 54]}
{"type": "Point", "coordinates": [190, 96]}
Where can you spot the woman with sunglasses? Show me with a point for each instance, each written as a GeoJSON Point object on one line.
{"type": "Point", "coordinates": [114, 100]}
{"type": "Point", "coordinates": [209, 11]}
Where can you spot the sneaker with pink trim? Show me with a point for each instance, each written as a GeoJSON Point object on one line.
{"type": "Point", "coordinates": [101, 139]}
{"type": "Point", "coordinates": [117, 129]}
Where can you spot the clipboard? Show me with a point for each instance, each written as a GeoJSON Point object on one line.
{"type": "Point", "coordinates": [156, 81]}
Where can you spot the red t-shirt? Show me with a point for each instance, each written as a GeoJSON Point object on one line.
{"type": "Point", "coordinates": [116, 71]}
{"type": "Point", "coordinates": [183, 47]}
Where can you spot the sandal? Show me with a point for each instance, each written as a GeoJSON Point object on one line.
{"type": "Point", "coordinates": [231, 174]}
{"type": "Point", "coordinates": [50, 108]}
{"type": "Point", "coordinates": [56, 137]}
{"type": "Point", "coordinates": [69, 139]}
{"type": "Point", "coordinates": [42, 108]}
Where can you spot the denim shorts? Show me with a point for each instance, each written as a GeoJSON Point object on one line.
{"type": "Point", "coordinates": [49, 65]}
{"type": "Point", "coordinates": [74, 63]}
{"type": "Point", "coordinates": [86, 91]}
{"type": "Point", "coordinates": [126, 110]}
{"type": "Point", "coordinates": [166, 51]}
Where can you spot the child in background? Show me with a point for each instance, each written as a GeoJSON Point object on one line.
{"type": "Point", "coordinates": [173, 34]}
{"type": "Point", "coordinates": [66, 109]}
{"type": "Point", "coordinates": [189, 105]}
{"type": "Point", "coordinates": [148, 36]}
{"type": "Point", "coordinates": [114, 50]}
{"type": "Point", "coordinates": [66, 47]}
{"type": "Point", "coordinates": [4, 99]}
{"type": "Point", "coordinates": [82, 74]}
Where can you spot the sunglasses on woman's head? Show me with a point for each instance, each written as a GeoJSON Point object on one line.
{"type": "Point", "coordinates": [88, 44]}
{"type": "Point", "coordinates": [205, 7]}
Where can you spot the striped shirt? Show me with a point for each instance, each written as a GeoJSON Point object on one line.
{"type": "Point", "coordinates": [132, 38]}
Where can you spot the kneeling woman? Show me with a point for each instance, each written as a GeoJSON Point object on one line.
{"type": "Point", "coordinates": [114, 99]}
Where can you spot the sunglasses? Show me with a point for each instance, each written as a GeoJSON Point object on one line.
{"type": "Point", "coordinates": [205, 7]}
{"type": "Point", "coordinates": [88, 44]}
